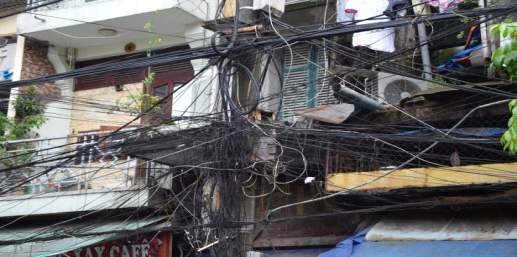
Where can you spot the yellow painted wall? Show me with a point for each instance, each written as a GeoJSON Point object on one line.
{"type": "Point", "coordinates": [108, 175]}
{"type": "Point", "coordinates": [87, 118]}
{"type": "Point", "coordinates": [8, 26]}
{"type": "Point", "coordinates": [229, 8]}
{"type": "Point", "coordinates": [423, 177]}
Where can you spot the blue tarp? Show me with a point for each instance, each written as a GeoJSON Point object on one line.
{"type": "Point", "coordinates": [356, 246]}
{"type": "Point", "coordinates": [491, 248]}
{"type": "Point", "coordinates": [455, 62]}
{"type": "Point", "coordinates": [474, 132]}
{"type": "Point", "coordinates": [345, 248]}
{"type": "Point", "coordinates": [294, 253]}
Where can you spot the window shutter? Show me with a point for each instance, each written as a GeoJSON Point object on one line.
{"type": "Point", "coordinates": [307, 85]}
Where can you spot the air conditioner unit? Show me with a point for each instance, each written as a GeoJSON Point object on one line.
{"type": "Point", "coordinates": [394, 88]}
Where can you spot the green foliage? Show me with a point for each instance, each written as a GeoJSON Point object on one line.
{"type": "Point", "coordinates": [465, 20]}
{"type": "Point", "coordinates": [29, 116]}
{"type": "Point", "coordinates": [509, 138]}
{"type": "Point", "coordinates": [137, 103]}
{"type": "Point", "coordinates": [505, 58]}
{"type": "Point", "coordinates": [154, 40]}
{"type": "Point", "coordinates": [439, 78]}
{"type": "Point", "coordinates": [19, 155]}
{"type": "Point", "coordinates": [28, 103]}
{"type": "Point", "coordinates": [14, 129]}
{"type": "Point", "coordinates": [460, 35]}
{"type": "Point", "coordinates": [149, 79]}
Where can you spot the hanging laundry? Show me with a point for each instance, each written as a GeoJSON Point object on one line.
{"type": "Point", "coordinates": [342, 15]}
{"type": "Point", "coordinates": [444, 5]}
{"type": "Point", "coordinates": [371, 11]}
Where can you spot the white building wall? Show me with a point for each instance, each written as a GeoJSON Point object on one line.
{"type": "Point", "coordinates": [58, 113]}
{"type": "Point", "coordinates": [199, 96]}
{"type": "Point", "coordinates": [77, 12]}
{"type": "Point", "coordinates": [73, 201]}
{"type": "Point", "coordinates": [17, 73]}
{"type": "Point", "coordinates": [8, 26]}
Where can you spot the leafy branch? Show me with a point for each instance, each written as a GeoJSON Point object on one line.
{"type": "Point", "coordinates": [505, 59]}
{"type": "Point", "coordinates": [138, 103]}
{"type": "Point", "coordinates": [29, 116]}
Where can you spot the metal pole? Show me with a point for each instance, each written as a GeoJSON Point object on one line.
{"type": "Point", "coordinates": [422, 37]}
{"type": "Point", "coordinates": [485, 38]}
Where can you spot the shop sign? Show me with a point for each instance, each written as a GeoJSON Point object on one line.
{"type": "Point", "coordinates": [141, 246]}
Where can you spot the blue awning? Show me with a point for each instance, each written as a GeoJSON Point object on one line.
{"type": "Point", "coordinates": [491, 234]}
{"type": "Point", "coordinates": [356, 246]}
{"type": "Point", "coordinates": [493, 248]}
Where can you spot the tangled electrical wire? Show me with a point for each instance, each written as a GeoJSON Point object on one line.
{"type": "Point", "coordinates": [235, 156]}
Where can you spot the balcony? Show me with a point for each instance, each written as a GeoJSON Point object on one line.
{"type": "Point", "coordinates": [469, 157]}
{"type": "Point", "coordinates": [90, 23]}
{"type": "Point", "coordinates": [96, 179]}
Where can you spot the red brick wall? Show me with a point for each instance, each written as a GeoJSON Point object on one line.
{"type": "Point", "coordinates": [36, 64]}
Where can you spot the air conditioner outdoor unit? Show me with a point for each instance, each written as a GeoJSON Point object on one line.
{"type": "Point", "coordinates": [395, 88]}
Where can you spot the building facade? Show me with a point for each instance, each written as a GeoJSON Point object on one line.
{"type": "Point", "coordinates": [314, 128]}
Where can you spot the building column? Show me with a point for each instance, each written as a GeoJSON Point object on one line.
{"type": "Point", "coordinates": [198, 97]}
{"type": "Point", "coordinates": [17, 74]}
{"type": "Point", "coordinates": [58, 113]}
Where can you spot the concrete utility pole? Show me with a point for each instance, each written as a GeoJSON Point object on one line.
{"type": "Point", "coordinates": [243, 91]}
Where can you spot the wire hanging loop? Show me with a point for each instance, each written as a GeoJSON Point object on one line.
{"type": "Point", "coordinates": [240, 102]}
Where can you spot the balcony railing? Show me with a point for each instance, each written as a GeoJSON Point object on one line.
{"type": "Point", "coordinates": [54, 4]}
{"type": "Point", "coordinates": [92, 168]}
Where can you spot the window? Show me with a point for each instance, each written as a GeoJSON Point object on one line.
{"type": "Point", "coordinates": [85, 152]}
{"type": "Point", "coordinates": [161, 91]}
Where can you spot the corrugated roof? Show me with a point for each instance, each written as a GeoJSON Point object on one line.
{"type": "Point", "coordinates": [51, 247]}
{"type": "Point", "coordinates": [53, 240]}
{"type": "Point", "coordinates": [445, 227]}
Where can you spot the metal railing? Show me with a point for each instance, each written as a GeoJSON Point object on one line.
{"type": "Point", "coordinates": [53, 4]}
{"type": "Point", "coordinates": [92, 167]}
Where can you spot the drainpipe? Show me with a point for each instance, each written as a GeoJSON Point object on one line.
{"type": "Point", "coordinates": [422, 37]}
{"type": "Point", "coordinates": [358, 99]}
{"type": "Point", "coordinates": [485, 38]}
